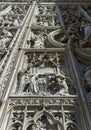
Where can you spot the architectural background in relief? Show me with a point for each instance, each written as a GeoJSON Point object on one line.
{"type": "Point", "coordinates": [46, 81]}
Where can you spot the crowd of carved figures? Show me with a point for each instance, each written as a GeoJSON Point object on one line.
{"type": "Point", "coordinates": [76, 29]}
{"type": "Point", "coordinates": [11, 16]}
{"type": "Point", "coordinates": [45, 74]}
{"type": "Point", "coordinates": [38, 39]}
{"type": "Point", "coordinates": [44, 82]}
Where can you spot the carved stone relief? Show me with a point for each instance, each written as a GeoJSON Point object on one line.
{"type": "Point", "coordinates": [43, 75]}
{"type": "Point", "coordinates": [43, 119]}
{"type": "Point", "coordinates": [46, 98]}
{"type": "Point", "coordinates": [44, 84]}
{"type": "Point", "coordinates": [5, 39]}
{"type": "Point", "coordinates": [14, 55]}
{"type": "Point", "coordinates": [38, 39]}
{"type": "Point", "coordinates": [87, 78]}
{"type": "Point", "coordinates": [47, 16]}
{"type": "Point", "coordinates": [43, 62]}
{"type": "Point", "coordinates": [12, 15]}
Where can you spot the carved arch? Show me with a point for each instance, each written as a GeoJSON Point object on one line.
{"type": "Point", "coordinates": [38, 115]}
{"type": "Point", "coordinates": [16, 124]}
{"type": "Point", "coordinates": [69, 123]}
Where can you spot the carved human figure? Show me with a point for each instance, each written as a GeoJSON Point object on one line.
{"type": "Point", "coordinates": [49, 83]}
{"type": "Point", "coordinates": [23, 81]}
{"type": "Point", "coordinates": [38, 81]}
{"type": "Point", "coordinates": [42, 84]}
{"type": "Point", "coordinates": [52, 61]}
{"type": "Point", "coordinates": [61, 79]}
{"type": "Point", "coordinates": [88, 97]}
{"type": "Point", "coordinates": [37, 40]}
{"type": "Point", "coordinates": [87, 77]}
{"type": "Point", "coordinates": [33, 61]}
{"type": "Point", "coordinates": [12, 15]}
{"type": "Point", "coordinates": [45, 11]}
{"type": "Point", "coordinates": [34, 85]}
{"type": "Point", "coordinates": [42, 60]}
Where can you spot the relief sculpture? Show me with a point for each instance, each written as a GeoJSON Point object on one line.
{"type": "Point", "coordinates": [51, 75]}
{"type": "Point", "coordinates": [23, 81]}
{"type": "Point", "coordinates": [47, 17]}
{"type": "Point", "coordinates": [43, 63]}
{"type": "Point", "coordinates": [5, 39]}
{"type": "Point", "coordinates": [43, 124]}
{"type": "Point", "coordinates": [37, 39]}
{"type": "Point", "coordinates": [43, 83]}
{"type": "Point", "coordinates": [44, 60]}
{"type": "Point", "coordinates": [12, 15]}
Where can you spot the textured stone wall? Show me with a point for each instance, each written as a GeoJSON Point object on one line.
{"type": "Point", "coordinates": [87, 1]}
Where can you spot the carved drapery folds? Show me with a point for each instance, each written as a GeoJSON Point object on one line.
{"type": "Point", "coordinates": [13, 47]}
{"type": "Point", "coordinates": [45, 122]}
{"type": "Point", "coordinates": [17, 118]}
{"type": "Point", "coordinates": [43, 75]}
{"type": "Point", "coordinates": [5, 39]}
{"type": "Point", "coordinates": [46, 16]}
{"type": "Point", "coordinates": [41, 61]}
{"type": "Point", "coordinates": [45, 84]}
